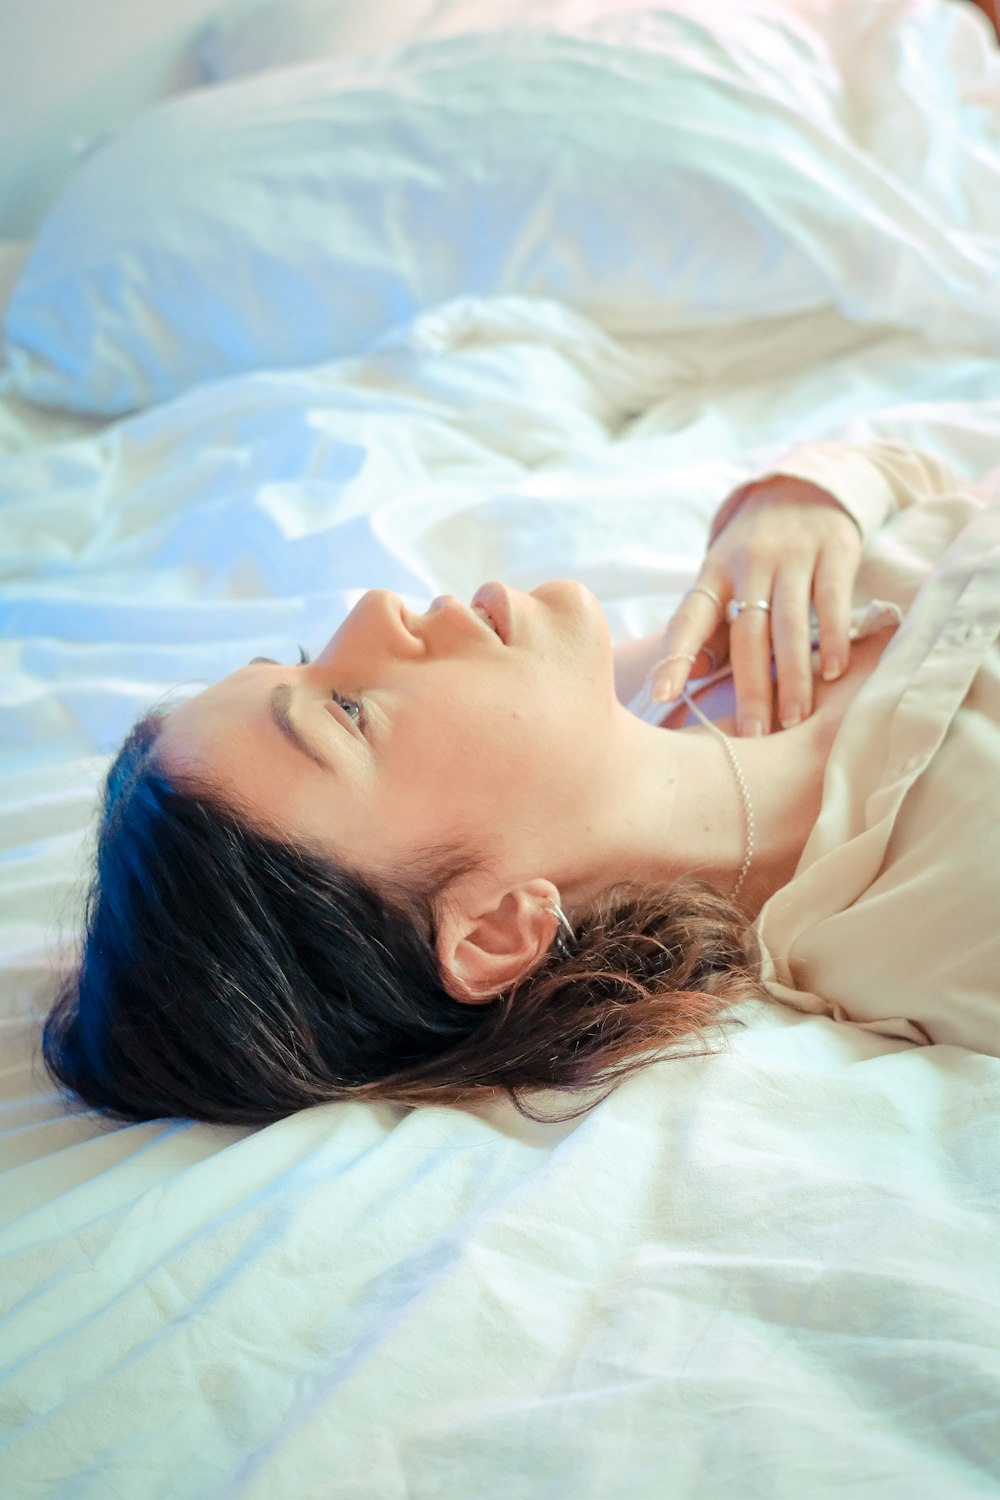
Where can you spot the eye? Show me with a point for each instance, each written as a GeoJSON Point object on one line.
{"type": "Point", "coordinates": [347, 704]}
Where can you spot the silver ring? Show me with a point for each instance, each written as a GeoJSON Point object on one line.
{"type": "Point", "coordinates": [690, 656]}
{"type": "Point", "coordinates": [699, 590]}
{"type": "Point", "coordinates": [734, 607]}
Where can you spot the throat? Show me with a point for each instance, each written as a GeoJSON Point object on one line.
{"type": "Point", "coordinates": [782, 775]}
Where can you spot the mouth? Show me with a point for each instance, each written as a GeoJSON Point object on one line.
{"type": "Point", "coordinates": [492, 604]}
{"type": "Point", "coordinates": [477, 609]}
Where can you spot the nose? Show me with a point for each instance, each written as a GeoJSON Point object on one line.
{"type": "Point", "coordinates": [378, 625]}
{"type": "Point", "coordinates": [441, 602]}
{"type": "Point", "coordinates": [454, 622]}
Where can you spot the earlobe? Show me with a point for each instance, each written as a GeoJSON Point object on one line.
{"type": "Point", "coordinates": [484, 947]}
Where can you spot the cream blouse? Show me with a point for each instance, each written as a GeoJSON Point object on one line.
{"type": "Point", "coordinates": [891, 921]}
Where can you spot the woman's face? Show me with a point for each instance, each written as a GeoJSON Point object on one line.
{"type": "Point", "coordinates": [499, 748]}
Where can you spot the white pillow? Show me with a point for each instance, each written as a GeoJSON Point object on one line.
{"type": "Point", "coordinates": [643, 171]}
{"type": "Point", "coordinates": [255, 34]}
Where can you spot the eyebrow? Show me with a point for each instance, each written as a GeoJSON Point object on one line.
{"type": "Point", "coordinates": [281, 700]}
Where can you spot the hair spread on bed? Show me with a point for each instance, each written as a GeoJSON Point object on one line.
{"type": "Point", "coordinates": [226, 976]}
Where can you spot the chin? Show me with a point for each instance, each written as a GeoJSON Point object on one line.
{"type": "Point", "coordinates": [589, 599]}
{"type": "Point", "coordinates": [568, 589]}
{"type": "Point", "coordinates": [569, 597]}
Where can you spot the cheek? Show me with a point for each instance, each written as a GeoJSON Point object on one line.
{"type": "Point", "coordinates": [467, 734]}
{"type": "Point", "coordinates": [464, 758]}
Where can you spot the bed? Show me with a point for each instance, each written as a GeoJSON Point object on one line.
{"type": "Point", "coordinates": [521, 292]}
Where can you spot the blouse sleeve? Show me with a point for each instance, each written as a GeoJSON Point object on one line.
{"type": "Point", "coordinates": [872, 481]}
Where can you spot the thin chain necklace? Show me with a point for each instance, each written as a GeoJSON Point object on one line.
{"type": "Point", "coordinates": [740, 782]}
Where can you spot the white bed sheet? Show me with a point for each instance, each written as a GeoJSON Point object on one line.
{"type": "Point", "coordinates": [772, 1272]}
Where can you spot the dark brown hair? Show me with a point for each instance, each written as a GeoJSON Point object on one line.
{"type": "Point", "coordinates": [226, 975]}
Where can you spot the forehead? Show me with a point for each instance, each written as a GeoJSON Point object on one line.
{"type": "Point", "coordinates": [226, 734]}
{"type": "Point", "coordinates": [242, 693]}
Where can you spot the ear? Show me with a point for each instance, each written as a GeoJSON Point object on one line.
{"type": "Point", "coordinates": [485, 945]}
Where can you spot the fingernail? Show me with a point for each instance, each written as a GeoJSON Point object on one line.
{"type": "Point", "coordinates": [791, 716]}
{"type": "Point", "coordinates": [831, 670]}
{"type": "Point", "coordinates": [663, 688]}
{"type": "Point", "coordinates": [751, 728]}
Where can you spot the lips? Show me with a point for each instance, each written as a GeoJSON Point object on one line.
{"type": "Point", "coordinates": [493, 597]}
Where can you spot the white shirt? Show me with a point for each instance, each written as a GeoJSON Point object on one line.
{"type": "Point", "coordinates": [892, 918]}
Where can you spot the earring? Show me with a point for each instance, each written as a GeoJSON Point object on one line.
{"type": "Point", "coordinates": [560, 944]}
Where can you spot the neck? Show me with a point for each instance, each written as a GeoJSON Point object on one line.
{"type": "Point", "coordinates": [679, 810]}
{"type": "Point", "coordinates": [723, 738]}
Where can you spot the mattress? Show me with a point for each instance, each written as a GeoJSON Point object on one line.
{"type": "Point", "coordinates": [768, 1271]}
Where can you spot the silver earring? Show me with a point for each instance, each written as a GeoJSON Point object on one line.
{"type": "Point", "coordinates": [560, 944]}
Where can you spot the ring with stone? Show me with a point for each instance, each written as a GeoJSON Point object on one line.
{"type": "Point", "coordinates": [735, 606]}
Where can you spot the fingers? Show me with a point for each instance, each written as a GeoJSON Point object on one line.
{"type": "Point", "coordinates": [791, 645]}
{"type": "Point", "coordinates": [750, 655]}
{"type": "Point", "coordinates": [690, 643]}
{"type": "Point", "coordinates": [783, 541]}
{"type": "Point", "coordinates": [785, 630]}
{"type": "Point", "coordinates": [697, 637]}
{"type": "Point", "coordinates": [832, 590]}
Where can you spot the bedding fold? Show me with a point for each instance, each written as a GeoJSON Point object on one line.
{"type": "Point", "coordinates": [770, 1270]}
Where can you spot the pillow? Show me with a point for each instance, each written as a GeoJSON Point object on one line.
{"type": "Point", "coordinates": [256, 34]}
{"type": "Point", "coordinates": [642, 171]}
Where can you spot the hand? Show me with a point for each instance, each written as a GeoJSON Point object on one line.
{"type": "Point", "coordinates": [789, 542]}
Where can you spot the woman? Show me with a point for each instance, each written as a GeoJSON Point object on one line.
{"type": "Point", "coordinates": [455, 854]}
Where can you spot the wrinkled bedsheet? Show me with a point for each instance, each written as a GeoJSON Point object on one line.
{"type": "Point", "coordinates": [772, 1272]}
